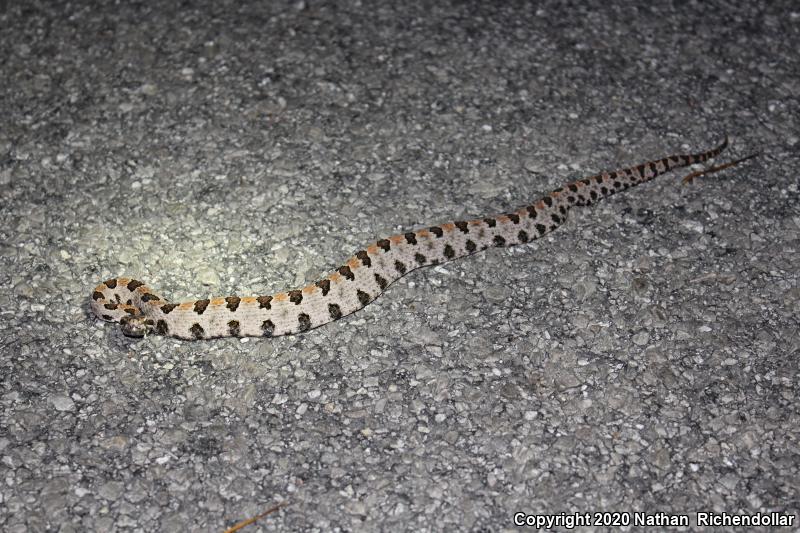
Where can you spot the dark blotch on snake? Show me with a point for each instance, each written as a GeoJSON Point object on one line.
{"type": "Point", "coordinates": [296, 296]}
{"type": "Point", "coordinates": [200, 307]}
{"type": "Point", "coordinates": [363, 256]}
{"type": "Point", "coordinates": [325, 285]}
{"type": "Point", "coordinates": [233, 302]}
{"type": "Point", "coordinates": [197, 331]}
{"type": "Point", "coordinates": [264, 302]}
{"type": "Point", "coordinates": [335, 311]}
{"type": "Point", "coordinates": [347, 273]}
{"type": "Point", "coordinates": [363, 297]}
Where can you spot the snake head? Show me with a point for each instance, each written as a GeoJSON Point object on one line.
{"type": "Point", "coordinates": [136, 326]}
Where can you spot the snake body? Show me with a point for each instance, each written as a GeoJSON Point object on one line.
{"type": "Point", "coordinates": [366, 274]}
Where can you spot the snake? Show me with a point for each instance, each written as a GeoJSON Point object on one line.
{"type": "Point", "coordinates": [367, 273]}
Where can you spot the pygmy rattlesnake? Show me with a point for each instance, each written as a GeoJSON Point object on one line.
{"type": "Point", "coordinates": [367, 273]}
